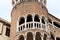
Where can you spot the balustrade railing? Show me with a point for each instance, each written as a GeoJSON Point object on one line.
{"type": "Point", "coordinates": [31, 25]}
{"type": "Point", "coordinates": [51, 25]}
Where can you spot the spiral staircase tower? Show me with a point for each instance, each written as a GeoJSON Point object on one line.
{"type": "Point", "coordinates": [29, 20]}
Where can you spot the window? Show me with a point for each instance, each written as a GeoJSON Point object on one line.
{"type": "Point", "coordinates": [38, 36]}
{"type": "Point", "coordinates": [49, 20]}
{"type": "Point", "coordinates": [7, 32]}
{"type": "Point", "coordinates": [21, 21]}
{"type": "Point", "coordinates": [56, 24]}
{"type": "Point", "coordinates": [36, 18]}
{"type": "Point", "coordinates": [29, 18]}
{"type": "Point", "coordinates": [21, 37]}
{"type": "Point", "coordinates": [57, 38]}
{"type": "Point", "coordinates": [43, 20]}
{"type": "Point", "coordinates": [45, 37]}
{"type": "Point", "coordinates": [29, 36]}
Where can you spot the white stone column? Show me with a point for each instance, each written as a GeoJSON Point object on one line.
{"type": "Point", "coordinates": [55, 38]}
{"type": "Point", "coordinates": [25, 38]}
{"type": "Point", "coordinates": [41, 23]}
{"type": "Point", "coordinates": [42, 37]}
{"type": "Point", "coordinates": [33, 21]}
{"type": "Point", "coordinates": [34, 37]}
{"type": "Point", "coordinates": [25, 22]}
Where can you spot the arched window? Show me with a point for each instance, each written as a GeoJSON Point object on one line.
{"type": "Point", "coordinates": [56, 24]}
{"type": "Point", "coordinates": [21, 37]}
{"type": "Point", "coordinates": [45, 37]}
{"type": "Point", "coordinates": [21, 20]}
{"type": "Point", "coordinates": [29, 36]}
{"type": "Point", "coordinates": [29, 18]}
{"type": "Point", "coordinates": [38, 36]}
{"type": "Point", "coordinates": [43, 20]}
{"type": "Point", "coordinates": [36, 18]}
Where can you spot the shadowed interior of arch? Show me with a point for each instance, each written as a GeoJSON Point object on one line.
{"type": "Point", "coordinates": [38, 36]}
{"type": "Point", "coordinates": [21, 20]}
{"type": "Point", "coordinates": [21, 37]}
{"type": "Point", "coordinates": [29, 36]}
{"type": "Point", "coordinates": [29, 18]}
{"type": "Point", "coordinates": [36, 18]}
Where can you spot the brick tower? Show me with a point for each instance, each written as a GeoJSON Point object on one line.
{"type": "Point", "coordinates": [29, 20]}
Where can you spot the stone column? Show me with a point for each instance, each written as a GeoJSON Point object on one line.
{"type": "Point", "coordinates": [55, 38]}
{"type": "Point", "coordinates": [25, 22]}
{"type": "Point", "coordinates": [42, 36]}
{"type": "Point", "coordinates": [25, 37]}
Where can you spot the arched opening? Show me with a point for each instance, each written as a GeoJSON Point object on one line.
{"type": "Point", "coordinates": [56, 24]}
{"type": "Point", "coordinates": [43, 20]}
{"type": "Point", "coordinates": [38, 36]}
{"type": "Point", "coordinates": [29, 18]}
{"type": "Point", "coordinates": [29, 36]}
{"type": "Point", "coordinates": [45, 37]}
{"type": "Point", "coordinates": [21, 20]}
{"type": "Point", "coordinates": [36, 18]}
{"type": "Point", "coordinates": [21, 37]}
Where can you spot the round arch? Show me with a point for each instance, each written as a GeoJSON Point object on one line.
{"type": "Point", "coordinates": [36, 18]}
{"type": "Point", "coordinates": [29, 18]}
{"type": "Point", "coordinates": [45, 37]}
{"type": "Point", "coordinates": [21, 20]}
{"type": "Point", "coordinates": [21, 37]}
{"type": "Point", "coordinates": [38, 36]}
{"type": "Point", "coordinates": [29, 36]}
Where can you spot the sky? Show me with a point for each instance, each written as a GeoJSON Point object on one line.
{"type": "Point", "coordinates": [53, 7]}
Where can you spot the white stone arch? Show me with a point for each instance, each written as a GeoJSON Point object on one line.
{"type": "Point", "coordinates": [31, 33]}
{"type": "Point", "coordinates": [18, 21]}
{"type": "Point", "coordinates": [21, 35]}
{"type": "Point", "coordinates": [38, 15]}
{"type": "Point", "coordinates": [28, 32]}
{"type": "Point", "coordinates": [41, 34]}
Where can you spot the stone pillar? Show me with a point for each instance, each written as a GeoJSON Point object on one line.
{"type": "Point", "coordinates": [41, 23]}
{"type": "Point", "coordinates": [25, 37]}
{"type": "Point", "coordinates": [34, 37]}
{"type": "Point", "coordinates": [25, 22]}
{"type": "Point", "coordinates": [55, 38]}
{"type": "Point", "coordinates": [42, 37]}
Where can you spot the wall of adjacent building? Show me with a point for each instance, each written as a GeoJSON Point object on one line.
{"type": "Point", "coordinates": [3, 32]}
